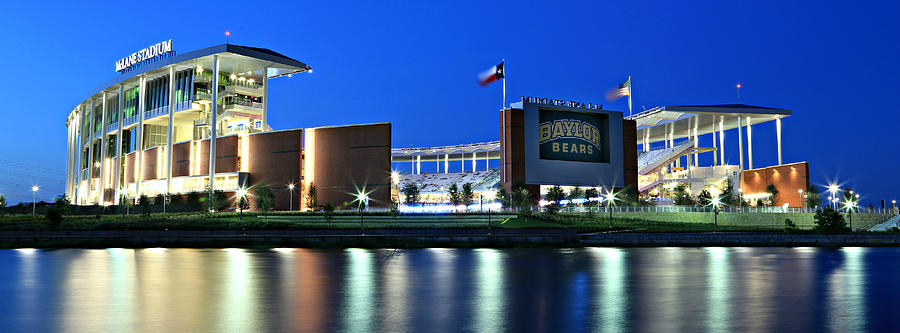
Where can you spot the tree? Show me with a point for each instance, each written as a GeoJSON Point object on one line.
{"type": "Point", "coordinates": [144, 203]}
{"type": "Point", "coordinates": [503, 197]}
{"type": "Point", "coordinates": [829, 221]}
{"type": "Point", "coordinates": [812, 197]}
{"type": "Point", "coordinates": [520, 197]}
{"type": "Point", "coordinates": [681, 197]}
{"type": "Point", "coordinates": [591, 193]}
{"type": "Point", "coordinates": [159, 199]}
{"type": "Point", "coordinates": [576, 193]}
{"type": "Point", "coordinates": [243, 204]}
{"type": "Point", "coordinates": [312, 197]}
{"type": "Point", "coordinates": [704, 198]}
{"type": "Point", "coordinates": [216, 201]}
{"type": "Point", "coordinates": [2, 201]}
{"type": "Point", "coordinates": [328, 211]}
{"type": "Point", "coordinates": [555, 194]}
{"type": "Point", "coordinates": [411, 194]}
{"type": "Point", "coordinates": [62, 204]}
{"type": "Point", "coordinates": [454, 195]}
{"type": "Point", "coordinates": [193, 199]}
{"type": "Point", "coordinates": [265, 199]}
{"type": "Point", "coordinates": [466, 196]}
{"type": "Point", "coordinates": [727, 196]}
{"type": "Point", "coordinates": [176, 199]}
{"type": "Point", "coordinates": [773, 194]}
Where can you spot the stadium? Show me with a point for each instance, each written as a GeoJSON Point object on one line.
{"type": "Point", "coordinates": [155, 130]}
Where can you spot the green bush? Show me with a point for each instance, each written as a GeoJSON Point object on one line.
{"type": "Point", "coordinates": [54, 217]}
{"type": "Point", "coordinates": [829, 221]}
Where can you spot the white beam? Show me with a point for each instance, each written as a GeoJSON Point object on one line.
{"type": "Point", "coordinates": [740, 143]}
{"type": "Point", "coordinates": [119, 145]}
{"type": "Point", "coordinates": [171, 132]}
{"type": "Point", "coordinates": [722, 140]}
{"type": "Point", "coordinates": [749, 145]}
{"type": "Point", "coordinates": [103, 147]}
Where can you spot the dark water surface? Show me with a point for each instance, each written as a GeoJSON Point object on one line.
{"type": "Point", "coordinates": [427, 290]}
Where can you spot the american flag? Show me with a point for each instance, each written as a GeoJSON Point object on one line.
{"type": "Point", "coordinates": [622, 90]}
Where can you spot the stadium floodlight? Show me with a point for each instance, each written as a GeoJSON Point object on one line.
{"type": "Point", "coordinates": [833, 188]}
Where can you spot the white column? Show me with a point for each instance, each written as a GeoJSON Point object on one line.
{"type": "Point", "coordinates": [139, 148]}
{"type": "Point", "coordinates": [696, 140]}
{"type": "Point", "coordinates": [68, 155]}
{"type": "Point", "coordinates": [103, 153]}
{"type": "Point", "coordinates": [446, 163]}
{"type": "Point", "coordinates": [212, 124]}
{"type": "Point", "coordinates": [722, 140]}
{"type": "Point", "coordinates": [171, 132]}
{"type": "Point", "coordinates": [749, 145]}
{"type": "Point", "coordinates": [715, 145]}
{"type": "Point", "coordinates": [474, 166]}
{"type": "Point", "coordinates": [418, 164]}
{"type": "Point", "coordinates": [778, 137]}
{"type": "Point", "coordinates": [90, 166]}
{"type": "Point", "coordinates": [119, 145]}
{"type": "Point", "coordinates": [265, 100]}
{"type": "Point", "coordinates": [740, 143]}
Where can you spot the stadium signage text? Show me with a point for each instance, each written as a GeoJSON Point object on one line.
{"type": "Point", "coordinates": [562, 102]}
{"type": "Point", "coordinates": [150, 53]}
{"type": "Point", "coordinates": [586, 136]}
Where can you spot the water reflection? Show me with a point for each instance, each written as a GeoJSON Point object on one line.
{"type": "Point", "coordinates": [480, 290]}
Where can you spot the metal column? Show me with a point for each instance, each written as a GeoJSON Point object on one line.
{"type": "Point", "coordinates": [722, 140]}
{"type": "Point", "coordinates": [139, 149]}
{"type": "Point", "coordinates": [103, 148]}
{"type": "Point", "coordinates": [740, 143]}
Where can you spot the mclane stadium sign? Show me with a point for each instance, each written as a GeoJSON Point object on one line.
{"type": "Point", "coordinates": [562, 102]}
{"type": "Point", "coordinates": [571, 136]}
{"type": "Point", "coordinates": [150, 53]}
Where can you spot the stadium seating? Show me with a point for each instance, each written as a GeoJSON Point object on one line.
{"type": "Point", "coordinates": [438, 182]}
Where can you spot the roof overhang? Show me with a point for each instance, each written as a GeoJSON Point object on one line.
{"type": "Point", "coordinates": [680, 119]}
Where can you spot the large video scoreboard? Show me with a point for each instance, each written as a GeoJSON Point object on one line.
{"type": "Point", "coordinates": [572, 143]}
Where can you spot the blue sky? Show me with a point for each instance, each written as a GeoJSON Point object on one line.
{"type": "Point", "coordinates": [834, 63]}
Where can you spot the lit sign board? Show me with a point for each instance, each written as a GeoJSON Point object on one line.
{"type": "Point", "coordinates": [562, 102]}
{"type": "Point", "coordinates": [150, 53]}
{"type": "Point", "coordinates": [572, 136]}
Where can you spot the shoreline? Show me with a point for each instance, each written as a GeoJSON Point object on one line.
{"type": "Point", "coordinates": [424, 238]}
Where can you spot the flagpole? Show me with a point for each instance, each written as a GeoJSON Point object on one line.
{"type": "Point", "coordinates": [629, 95]}
{"type": "Point", "coordinates": [503, 102]}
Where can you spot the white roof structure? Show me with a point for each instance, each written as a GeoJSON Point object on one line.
{"type": "Point", "coordinates": [480, 147]}
{"type": "Point", "coordinates": [655, 122]}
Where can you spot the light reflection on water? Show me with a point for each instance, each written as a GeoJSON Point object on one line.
{"type": "Point", "coordinates": [475, 290]}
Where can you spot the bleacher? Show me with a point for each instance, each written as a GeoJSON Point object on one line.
{"type": "Point", "coordinates": [438, 182]}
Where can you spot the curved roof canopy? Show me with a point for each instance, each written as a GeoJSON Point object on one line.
{"type": "Point", "coordinates": [233, 59]}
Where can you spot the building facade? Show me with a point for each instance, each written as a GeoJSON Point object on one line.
{"type": "Point", "coordinates": [194, 122]}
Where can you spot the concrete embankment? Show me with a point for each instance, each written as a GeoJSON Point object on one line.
{"type": "Point", "coordinates": [476, 237]}
{"type": "Point", "coordinates": [739, 239]}
{"type": "Point", "coordinates": [411, 238]}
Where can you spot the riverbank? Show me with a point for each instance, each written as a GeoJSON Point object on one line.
{"type": "Point", "coordinates": [425, 237]}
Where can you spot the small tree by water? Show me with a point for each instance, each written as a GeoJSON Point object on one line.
{"type": "Point", "coordinates": [829, 221]}
{"type": "Point", "coordinates": [265, 199]}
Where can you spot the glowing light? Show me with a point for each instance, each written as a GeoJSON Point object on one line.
{"type": "Point", "coordinates": [35, 188]}
{"type": "Point", "coordinates": [739, 85]}
{"type": "Point", "coordinates": [227, 33]}
{"type": "Point", "coordinates": [395, 177]}
{"type": "Point", "coordinates": [291, 186]}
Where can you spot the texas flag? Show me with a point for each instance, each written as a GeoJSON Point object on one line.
{"type": "Point", "coordinates": [491, 75]}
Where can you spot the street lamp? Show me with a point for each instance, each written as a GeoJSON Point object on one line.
{"type": "Point", "coordinates": [34, 190]}
{"type": "Point", "coordinates": [849, 205]}
{"type": "Point", "coordinates": [833, 188]}
{"type": "Point", "coordinates": [610, 197]}
{"type": "Point", "coordinates": [291, 189]}
{"type": "Point", "coordinates": [716, 202]}
{"type": "Point", "coordinates": [801, 198]}
{"type": "Point", "coordinates": [241, 194]}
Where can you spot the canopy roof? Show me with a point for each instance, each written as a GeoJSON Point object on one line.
{"type": "Point", "coordinates": [232, 59]}
{"type": "Point", "coordinates": [441, 150]}
{"type": "Point", "coordinates": [683, 118]}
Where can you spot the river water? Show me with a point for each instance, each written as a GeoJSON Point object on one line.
{"type": "Point", "coordinates": [433, 290]}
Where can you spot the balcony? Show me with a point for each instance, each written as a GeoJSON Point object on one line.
{"type": "Point", "coordinates": [243, 104]}
{"type": "Point", "coordinates": [163, 110]}
{"type": "Point", "coordinates": [245, 87]}
{"type": "Point", "coordinates": [112, 127]}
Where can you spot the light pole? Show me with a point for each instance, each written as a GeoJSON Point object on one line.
{"type": "Point", "coordinates": [609, 201]}
{"type": "Point", "coordinates": [291, 189]}
{"type": "Point", "coordinates": [716, 204]}
{"type": "Point", "coordinates": [34, 190]}
{"type": "Point", "coordinates": [833, 189]}
{"type": "Point", "coordinates": [802, 203]}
